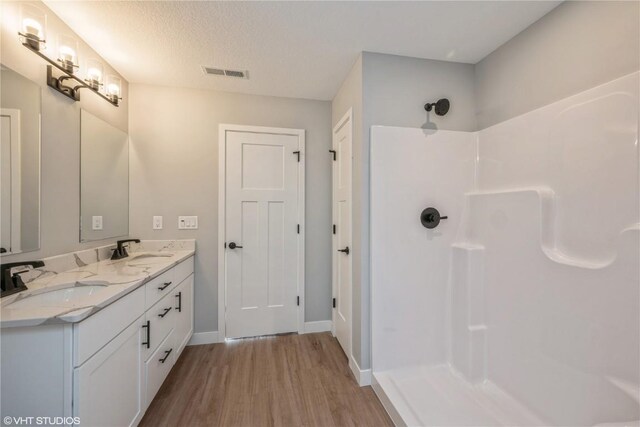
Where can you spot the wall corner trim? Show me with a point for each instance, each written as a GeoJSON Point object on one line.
{"type": "Point", "coordinates": [317, 326]}
{"type": "Point", "coordinates": [363, 376]}
{"type": "Point", "coordinates": [199, 338]}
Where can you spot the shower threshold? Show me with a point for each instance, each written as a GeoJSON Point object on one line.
{"type": "Point", "coordinates": [438, 396]}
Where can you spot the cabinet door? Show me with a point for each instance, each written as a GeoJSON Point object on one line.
{"type": "Point", "coordinates": [107, 388]}
{"type": "Point", "coordinates": [184, 313]}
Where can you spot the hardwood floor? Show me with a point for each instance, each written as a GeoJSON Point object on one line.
{"type": "Point", "coordinates": [288, 380]}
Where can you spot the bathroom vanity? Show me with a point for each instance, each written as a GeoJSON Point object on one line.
{"type": "Point", "coordinates": [97, 341]}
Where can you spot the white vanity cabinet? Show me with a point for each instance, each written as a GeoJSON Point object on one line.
{"type": "Point", "coordinates": [107, 368]}
{"type": "Point", "coordinates": [116, 385]}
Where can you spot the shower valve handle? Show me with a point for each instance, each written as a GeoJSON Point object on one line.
{"type": "Point", "coordinates": [430, 218]}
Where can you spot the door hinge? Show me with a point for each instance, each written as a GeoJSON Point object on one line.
{"type": "Point", "coordinates": [334, 303]}
{"type": "Point", "coordinates": [298, 228]}
{"type": "Point", "coordinates": [298, 153]}
{"type": "Point", "coordinates": [334, 154]}
{"type": "Point", "coordinates": [334, 229]}
{"type": "Point", "coordinates": [298, 300]}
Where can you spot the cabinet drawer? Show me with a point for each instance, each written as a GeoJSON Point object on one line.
{"type": "Point", "coordinates": [159, 320]}
{"type": "Point", "coordinates": [183, 270]}
{"type": "Point", "coordinates": [159, 287]}
{"type": "Point", "coordinates": [158, 366]}
{"type": "Point", "coordinates": [93, 333]}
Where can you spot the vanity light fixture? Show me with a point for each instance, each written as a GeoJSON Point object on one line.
{"type": "Point", "coordinates": [94, 74]}
{"type": "Point", "coordinates": [34, 22]}
{"type": "Point", "coordinates": [114, 86]}
{"type": "Point", "coordinates": [33, 36]}
{"type": "Point", "coordinates": [68, 53]}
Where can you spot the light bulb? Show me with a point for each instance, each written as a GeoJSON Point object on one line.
{"type": "Point", "coordinates": [113, 89]}
{"type": "Point", "coordinates": [31, 27]}
{"type": "Point", "coordinates": [67, 58]}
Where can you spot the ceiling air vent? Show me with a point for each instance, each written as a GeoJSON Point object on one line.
{"type": "Point", "coordinates": [228, 73]}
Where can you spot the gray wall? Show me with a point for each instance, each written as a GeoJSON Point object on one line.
{"type": "Point", "coordinates": [576, 46]}
{"type": "Point", "coordinates": [174, 171]}
{"type": "Point", "coordinates": [60, 142]}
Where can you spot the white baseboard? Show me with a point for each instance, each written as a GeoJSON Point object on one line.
{"type": "Point", "coordinates": [363, 376]}
{"type": "Point", "coordinates": [199, 338]}
{"type": "Point", "coordinates": [318, 326]}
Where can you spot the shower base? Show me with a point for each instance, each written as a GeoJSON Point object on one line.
{"type": "Point", "coordinates": [438, 396]}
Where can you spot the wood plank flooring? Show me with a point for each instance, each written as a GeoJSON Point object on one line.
{"type": "Point", "coordinates": [287, 380]}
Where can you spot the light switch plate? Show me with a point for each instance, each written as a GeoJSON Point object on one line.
{"type": "Point", "coordinates": [96, 222]}
{"type": "Point", "coordinates": [187, 223]}
{"type": "Point", "coordinates": [157, 222]}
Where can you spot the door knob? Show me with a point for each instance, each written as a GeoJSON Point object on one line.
{"type": "Point", "coordinates": [233, 245]}
{"type": "Point", "coordinates": [345, 250]}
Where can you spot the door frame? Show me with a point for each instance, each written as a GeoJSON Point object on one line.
{"type": "Point", "coordinates": [16, 183]}
{"type": "Point", "coordinates": [348, 117]}
{"type": "Point", "coordinates": [222, 238]}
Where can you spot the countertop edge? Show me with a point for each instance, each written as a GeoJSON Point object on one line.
{"type": "Point", "coordinates": [91, 310]}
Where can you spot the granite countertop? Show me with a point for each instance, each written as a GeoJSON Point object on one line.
{"type": "Point", "coordinates": [114, 279]}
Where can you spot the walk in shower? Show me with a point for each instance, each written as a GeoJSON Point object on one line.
{"type": "Point", "coordinates": [522, 307]}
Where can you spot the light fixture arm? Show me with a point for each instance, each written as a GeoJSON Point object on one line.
{"type": "Point", "coordinates": [57, 83]}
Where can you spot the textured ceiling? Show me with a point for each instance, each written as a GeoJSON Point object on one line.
{"type": "Point", "coordinates": [293, 49]}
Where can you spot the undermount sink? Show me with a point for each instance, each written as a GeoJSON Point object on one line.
{"type": "Point", "coordinates": [148, 258]}
{"type": "Point", "coordinates": [57, 297]}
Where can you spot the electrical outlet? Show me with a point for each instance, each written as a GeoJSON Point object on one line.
{"type": "Point", "coordinates": [96, 222]}
{"type": "Point", "coordinates": [157, 223]}
{"type": "Point", "coordinates": [187, 223]}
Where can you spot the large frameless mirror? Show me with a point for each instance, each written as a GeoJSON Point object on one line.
{"type": "Point", "coordinates": [104, 179]}
{"type": "Point", "coordinates": [20, 102]}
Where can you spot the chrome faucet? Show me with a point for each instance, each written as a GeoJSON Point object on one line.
{"type": "Point", "coordinates": [12, 283]}
{"type": "Point", "coordinates": [121, 251]}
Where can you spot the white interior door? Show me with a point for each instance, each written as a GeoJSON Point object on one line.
{"type": "Point", "coordinates": [10, 185]}
{"type": "Point", "coordinates": [342, 254]}
{"type": "Point", "coordinates": [262, 231]}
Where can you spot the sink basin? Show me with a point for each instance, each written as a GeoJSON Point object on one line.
{"type": "Point", "coordinates": [57, 297]}
{"type": "Point", "coordinates": [149, 258]}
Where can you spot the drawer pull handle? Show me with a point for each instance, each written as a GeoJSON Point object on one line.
{"type": "Point", "coordinates": [166, 310]}
{"type": "Point", "coordinates": [179, 296]}
{"type": "Point", "coordinates": [164, 286]}
{"type": "Point", "coordinates": [148, 327]}
{"type": "Point", "coordinates": [166, 355]}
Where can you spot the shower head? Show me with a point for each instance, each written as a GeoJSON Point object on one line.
{"type": "Point", "coordinates": [441, 106]}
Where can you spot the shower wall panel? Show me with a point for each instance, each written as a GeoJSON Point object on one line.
{"type": "Point", "coordinates": [412, 169]}
{"type": "Point", "coordinates": [523, 307]}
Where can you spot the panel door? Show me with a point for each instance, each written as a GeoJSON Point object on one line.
{"type": "Point", "coordinates": [261, 260]}
{"type": "Point", "coordinates": [342, 247]}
